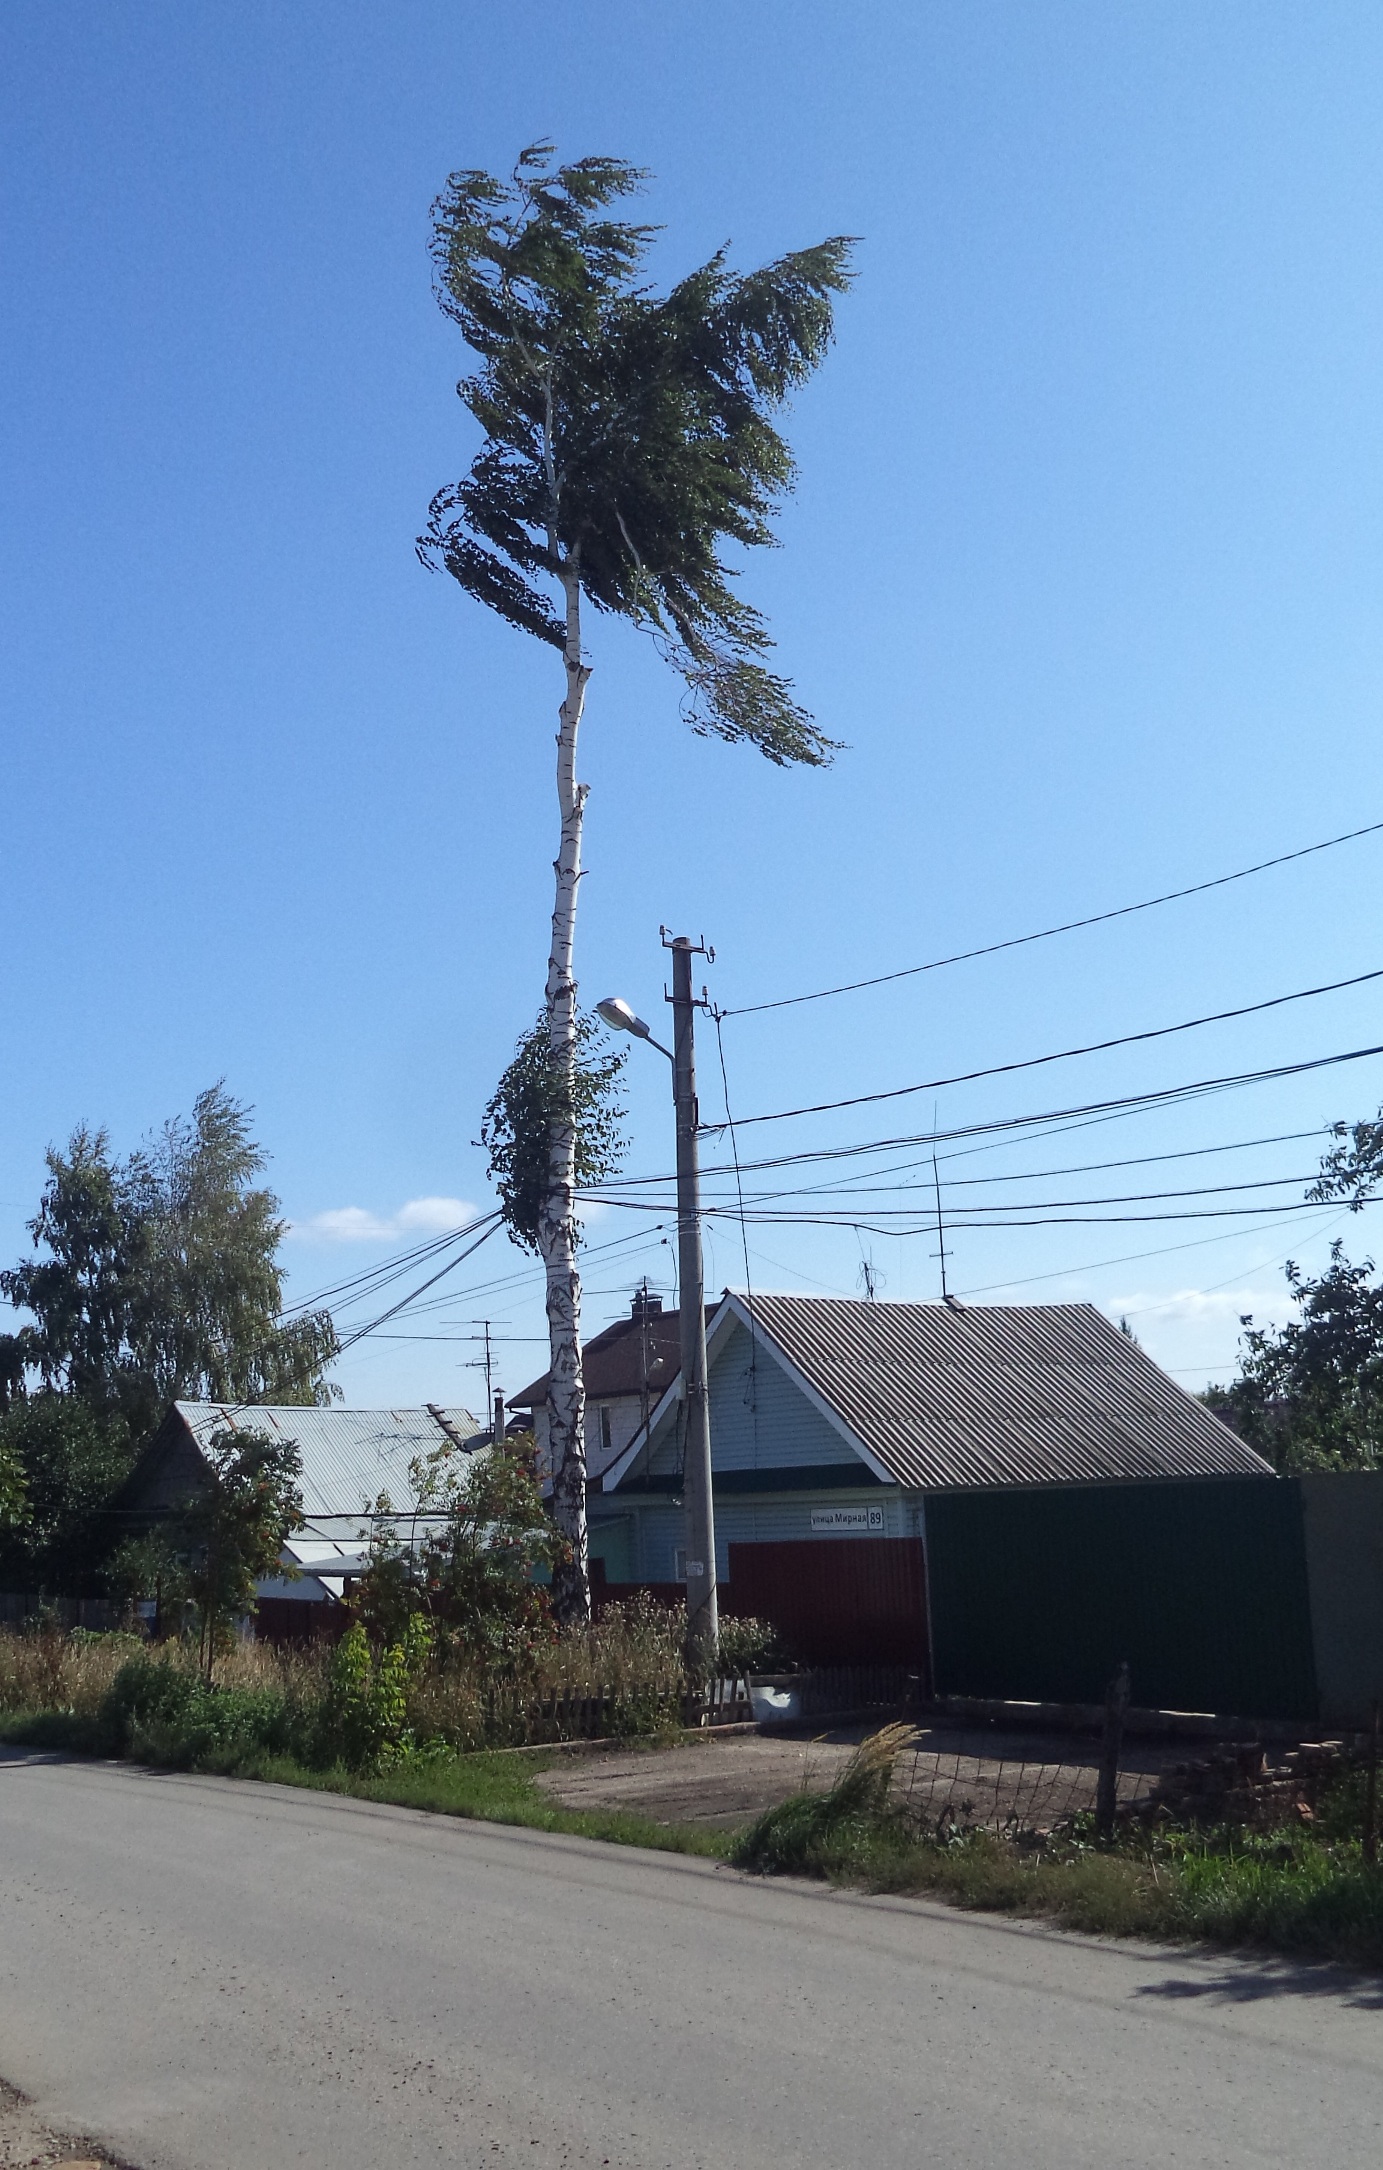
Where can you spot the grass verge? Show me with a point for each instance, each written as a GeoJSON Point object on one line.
{"type": "Point", "coordinates": [1289, 1891]}
{"type": "Point", "coordinates": [491, 1787]}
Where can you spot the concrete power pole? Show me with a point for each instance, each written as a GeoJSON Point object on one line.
{"type": "Point", "coordinates": [703, 1618]}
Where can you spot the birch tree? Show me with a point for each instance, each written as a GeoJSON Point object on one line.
{"type": "Point", "coordinates": [627, 440]}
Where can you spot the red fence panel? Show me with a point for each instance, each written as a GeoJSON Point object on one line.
{"type": "Point", "coordinates": [299, 1620]}
{"type": "Point", "coordinates": [842, 1601]}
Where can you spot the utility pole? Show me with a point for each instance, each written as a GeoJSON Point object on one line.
{"type": "Point", "coordinates": [703, 1614]}
{"type": "Point", "coordinates": [703, 1619]}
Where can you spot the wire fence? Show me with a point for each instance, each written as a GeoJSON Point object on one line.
{"type": "Point", "coordinates": [976, 1783]}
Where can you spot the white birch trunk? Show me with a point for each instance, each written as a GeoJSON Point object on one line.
{"type": "Point", "coordinates": [566, 1397]}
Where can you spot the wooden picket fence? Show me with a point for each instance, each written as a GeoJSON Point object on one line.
{"type": "Point", "coordinates": [582, 1712]}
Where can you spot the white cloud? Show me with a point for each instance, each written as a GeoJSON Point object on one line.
{"type": "Point", "coordinates": [420, 1217]}
{"type": "Point", "coordinates": [1195, 1333]}
{"type": "Point", "coordinates": [1190, 1306]}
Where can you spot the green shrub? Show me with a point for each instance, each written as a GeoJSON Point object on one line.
{"type": "Point", "coordinates": [365, 1716]}
{"type": "Point", "coordinates": [159, 1711]}
{"type": "Point", "coordinates": [749, 1646]}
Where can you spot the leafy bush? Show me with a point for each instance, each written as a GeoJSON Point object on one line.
{"type": "Point", "coordinates": [160, 1711]}
{"type": "Point", "coordinates": [365, 1717]}
{"type": "Point", "coordinates": [749, 1646]}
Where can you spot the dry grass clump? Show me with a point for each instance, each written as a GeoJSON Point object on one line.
{"type": "Point", "coordinates": [468, 1696]}
{"type": "Point", "coordinates": [48, 1669]}
{"type": "Point", "coordinates": [631, 1659]}
{"type": "Point", "coordinates": [634, 1648]}
{"type": "Point", "coordinates": [298, 1671]}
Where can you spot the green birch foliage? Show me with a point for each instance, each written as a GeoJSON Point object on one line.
{"type": "Point", "coordinates": [158, 1278]}
{"type": "Point", "coordinates": [540, 1097]}
{"type": "Point", "coordinates": [628, 434]}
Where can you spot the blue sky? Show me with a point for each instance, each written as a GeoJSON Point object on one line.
{"type": "Point", "coordinates": [1085, 567]}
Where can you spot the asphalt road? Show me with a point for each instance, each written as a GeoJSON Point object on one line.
{"type": "Point", "coordinates": [212, 1976]}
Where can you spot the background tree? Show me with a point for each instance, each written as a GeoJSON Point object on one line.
{"type": "Point", "coordinates": [71, 1462]}
{"type": "Point", "coordinates": [1353, 1168]}
{"type": "Point", "coordinates": [627, 440]}
{"type": "Point", "coordinates": [231, 1532]}
{"type": "Point", "coordinates": [14, 1492]}
{"type": "Point", "coordinates": [157, 1279]}
{"type": "Point", "coordinates": [1310, 1396]}
{"type": "Point", "coordinates": [467, 1560]}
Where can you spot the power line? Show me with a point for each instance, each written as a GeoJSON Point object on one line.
{"type": "Point", "coordinates": [406, 1301]}
{"type": "Point", "coordinates": [1004, 1130]}
{"type": "Point", "coordinates": [1033, 1175]}
{"type": "Point", "coordinates": [1065, 1054]}
{"type": "Point", "coordinates": [1043, 934]}
{"type": "Point", "coordinates": [1057, 1219]}
{"type": "Point", "coordinates": [824, 1193]}
{"type": "Point", "coordinates": [372, 1278]}
{"type": "Point", "coordinates": [1135, 1258]}
{"type": "Point", "coordinates": [982, 1206]}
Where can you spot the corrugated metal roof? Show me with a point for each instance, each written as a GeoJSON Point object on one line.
{"type": "Point", "coordinates": [634, 1356]}
{"type": "Point", "coordinates": [999, 1394]}
{"type": "Point", "coordinates": [349, 1456]}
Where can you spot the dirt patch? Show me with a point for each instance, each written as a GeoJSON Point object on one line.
{"type": "Point", "coordinates": [718, 1783]}
{"type": "Point", "coordinates": [942, 1776]}
{"type": "Point", "coordinates": [28, 2144]}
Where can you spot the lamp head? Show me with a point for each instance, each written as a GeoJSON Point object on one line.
{"type": "Point", "coordinates": [620, 1018]}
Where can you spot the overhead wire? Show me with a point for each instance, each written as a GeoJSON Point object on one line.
{"type": "Point", "coordinates": [1050, 1122]}
{"type": "Point", "coordinates": [1044, 934]}
{"type": "Point", "coordinates": [494, 1222]}
{"type": "Point", "coordinates": [1064, 1054]}
{"type": "Point", "coordinates": [358, 1288]}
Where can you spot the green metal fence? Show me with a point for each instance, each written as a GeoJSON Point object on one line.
{"type": "Point", "coordinates": [1200, 1585]}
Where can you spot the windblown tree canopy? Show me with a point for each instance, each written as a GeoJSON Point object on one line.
{"type": "Point", "coordinates": [627, 434]}
{"type": "Point", "coordinates": [537, 1095]}
{"type": "Point", "coordinates": [628, 445]}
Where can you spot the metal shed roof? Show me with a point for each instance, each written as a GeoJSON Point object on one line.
{"type": "Point", "coordinates": [349, 1456]}
{"type": "Point", "coordinates": [999, 1394]}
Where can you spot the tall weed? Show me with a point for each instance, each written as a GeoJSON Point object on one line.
{"type": "Point", "coordinates": [48, 1669]}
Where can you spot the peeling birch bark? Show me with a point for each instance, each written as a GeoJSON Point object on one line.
{"type": "Point", "coordinates": [566, 1396]}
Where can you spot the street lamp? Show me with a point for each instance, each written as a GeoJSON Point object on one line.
{"type": "Point", "coordinates": [703, 1622]}
{"type": "Point", "coordinates": [620, 1018]}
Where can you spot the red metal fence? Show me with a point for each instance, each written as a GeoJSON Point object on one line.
{"type": "Point", "coordinates": [848, 1601]}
